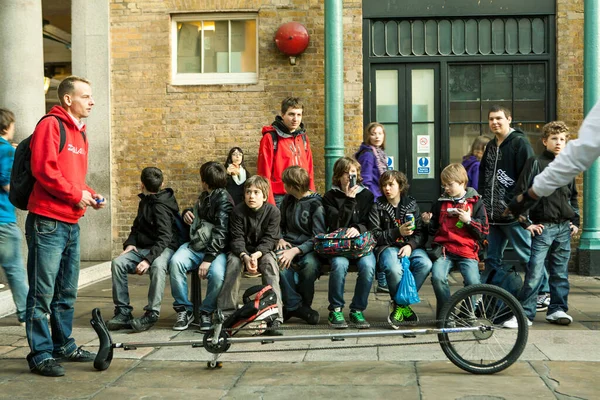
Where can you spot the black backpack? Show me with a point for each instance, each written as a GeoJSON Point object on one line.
{"type": "Point", "coordinates": [21, 178]}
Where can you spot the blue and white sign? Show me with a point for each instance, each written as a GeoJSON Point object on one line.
{"type": "Point", "coordinates": [423, 165]}
{"type": "Point", "coordinates": [390, 163]}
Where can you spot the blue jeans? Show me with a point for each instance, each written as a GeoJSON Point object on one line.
{"type": "Point", "coordinates": [185, 260]}
{"type": "Point", "coordinates": [498, 238]}
{"type": "Point", "coordinates": [469, 269]}
{"type": "Point", "coordinates": [11, 260]}
{"type": "Point", "coordinates": [391, 266]}
{"type": "Point", "coordinates": [364, 281]}
{"type": "Point", "coordinates": [296, 294]}
{"type": "Point", "coordinates": [53, 274]}
{"type": "Point", "coordinates": [125, 264]}
{"type": "Point", "coordinates": [554, 242]}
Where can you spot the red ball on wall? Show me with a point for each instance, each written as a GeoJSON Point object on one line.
{"type": "Point", "coordinates": [292, 38]}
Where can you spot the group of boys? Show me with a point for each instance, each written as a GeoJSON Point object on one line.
{"type": "Point", "coordinates": [258, 236]}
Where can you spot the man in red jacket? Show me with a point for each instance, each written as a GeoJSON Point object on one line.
{"type": "Point", "coordinates": [284, 143]}
{"type": "Point", "coordinates": [60, 197]}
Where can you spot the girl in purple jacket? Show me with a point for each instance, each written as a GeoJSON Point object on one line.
{"type": "Point", "coordinates": [372, 157]}
{"type": "Point", "coordinates": [373, 163]}
{"type": "Point", "coordinates": [472, 160]}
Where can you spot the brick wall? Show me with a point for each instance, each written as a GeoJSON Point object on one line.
{"type": "Point", "coordinates": [177, 128]}
{"type": "Point", "coordinates": [569, 66]}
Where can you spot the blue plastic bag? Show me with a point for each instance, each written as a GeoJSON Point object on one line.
{"type": "Point", "coordinates": [407, 290]}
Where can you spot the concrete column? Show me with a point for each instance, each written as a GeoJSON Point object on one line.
{"type": "Point", "coordinates": [22, 63]}
{"type": "Point", "coordinates": [90, 59]}
{"type": "Point", "coordinates": [589, 245]}
{"type": "Point", "coordinates": [334, 86]}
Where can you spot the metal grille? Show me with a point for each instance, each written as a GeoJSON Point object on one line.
{"type": "Point", "coordinates": [469, 37]}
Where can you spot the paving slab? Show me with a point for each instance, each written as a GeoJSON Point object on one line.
{"type": "Point", "coordinates": [571, 379]}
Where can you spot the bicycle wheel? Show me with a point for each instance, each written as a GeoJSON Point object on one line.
{"type": "Point", "coordinates": [492, 348]}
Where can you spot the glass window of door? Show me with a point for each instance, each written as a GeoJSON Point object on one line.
{"type": "Point", "coordinates": [473, 89]}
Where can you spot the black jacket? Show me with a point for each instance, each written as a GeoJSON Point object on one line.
{"type": "Point", "coordinates": [499, 171]}
{"type": "Point", "coordinates": [301, 220]}
{"type": "Point", "coordinates": [386, 230]}
{"type": "Point", "coordinates": [215, 208]}
{"type": "Point", "coordinates": [346, 212]}
{"type": "Point", "coordinates": [560, 206]}
{"type": "Point", "coordinates": [253, 231]}
{"type": "Point", "coordinates": [154, 226]}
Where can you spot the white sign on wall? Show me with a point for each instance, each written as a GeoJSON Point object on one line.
{"type": "Point", "coordinates": [423, 144]}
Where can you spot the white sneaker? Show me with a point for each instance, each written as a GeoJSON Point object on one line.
{"type": "Point", "coordinates": [514, 324]}
{"type": "Point", "coordinates": [559, 317]}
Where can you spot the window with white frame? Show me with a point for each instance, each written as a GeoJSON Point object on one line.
{"type": "Point", "coordinates": [214, 49]}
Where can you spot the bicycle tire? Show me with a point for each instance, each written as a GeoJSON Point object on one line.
{"type": "Point", "coordinates": [494, 348]}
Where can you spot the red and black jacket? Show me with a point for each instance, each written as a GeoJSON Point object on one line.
{"type": "Point", "coordinates": [461, 241]}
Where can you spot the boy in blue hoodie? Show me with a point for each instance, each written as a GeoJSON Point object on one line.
{"type": "Point", "coordinates": [302, 218]}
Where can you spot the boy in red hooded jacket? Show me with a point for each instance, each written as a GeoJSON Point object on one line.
{"type": "Point", "coordinates": [458, 224]}
{"type": "Point", "coordinates": [284, 143]}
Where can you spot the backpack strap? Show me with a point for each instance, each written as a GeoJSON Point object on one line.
{"type": "Point", "coordinates": [61, 127]}
{"type": "Point", "coordinates": [275, 138]}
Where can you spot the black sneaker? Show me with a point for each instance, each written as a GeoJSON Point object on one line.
{"type": "Point", "coordinates": [273, 329]}
{"type": "Point", "coordinates": [307, 314]}
{"type": "Point", "coordinates": [49, 367]}
{"type": "Point", "coordinates": [146, 322]}
{"type": "Point", "coordinates": [184, 319]}
{"type": "Point", "coordinates": [78, 355]}
{"type": "Point", "coordinates": [205, 322]}
{"type": "Point", "coordinates": [119, 321]}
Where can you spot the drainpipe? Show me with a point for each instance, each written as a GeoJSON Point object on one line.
{"type": "Point", "coordinates": [589, 244]}
{"type": "Point", "coordinates": [334, 87]}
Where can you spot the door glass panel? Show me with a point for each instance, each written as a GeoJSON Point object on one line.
{"type": "Point", "coordinates": [485, 36]}
{"type": "Point", "coordinates": [496, 87]}
{"type": "Point", "coordinates": [498, 36]}
{"type": "Point", "coordinates": [510, 36]}
{"type": "Point", "coordinates": [418, 36]}
{"type": "Point", "coordinates": [464, 85]}
{"type": "Point", "coordinates": [471, 37]}
{"type": "Point", "coordinates": [391, 38]}
{"type": "Point", "coordinates": [423, 127]}
{"type": "Point", "coordinates": [530, 92]}
{"type": "Point", "coordinates": [538, 36]}
{"type": "Point", "coordinates": [458, 37]}
{"type": "Point", "coordinates": [461, 138]}
{"type": "Point", "coordinates": [431, 38]}
{"type": "Point", "coordinates": [391, 146]}
{"type": "Point", "coordinates": [524, 36]}
{"type": "Point", "coordinates": [386, 100]}
{"type": "Point", "coordinates": [533, 131]}
{"type": "Point", "coordinates": [445, 37]}
{"type": "Point", "coordinates": [405, 38]}
{"type": "Point", "coordinates": [378, 39]}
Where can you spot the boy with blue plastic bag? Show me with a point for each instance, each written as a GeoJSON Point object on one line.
{"type": "Point", "coordinates": [398, 236]}
{"type": "Point", "coordinates": [458, 223]}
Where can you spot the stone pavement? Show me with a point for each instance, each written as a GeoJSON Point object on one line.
{"type": "Point", "coordinates": [558, 362]}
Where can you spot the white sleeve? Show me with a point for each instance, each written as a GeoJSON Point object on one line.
{"type": "Point", "coordinates": [578, 156]}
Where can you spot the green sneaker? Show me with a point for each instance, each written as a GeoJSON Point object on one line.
{"type": "Point", "coordinates": [402, 315]}
{"type": "Point", "coordinates": [358, 320]}
{"type": "Point", "coordinates": [336, 319]}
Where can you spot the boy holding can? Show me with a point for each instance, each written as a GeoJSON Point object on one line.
{"type": "Point", "coordinates": [458, 224]}
{"type": "Point", "coordinates": [395, 221]}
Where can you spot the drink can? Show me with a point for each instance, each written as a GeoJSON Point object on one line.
{"type": "Point", "coordinates": [410, 217]}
